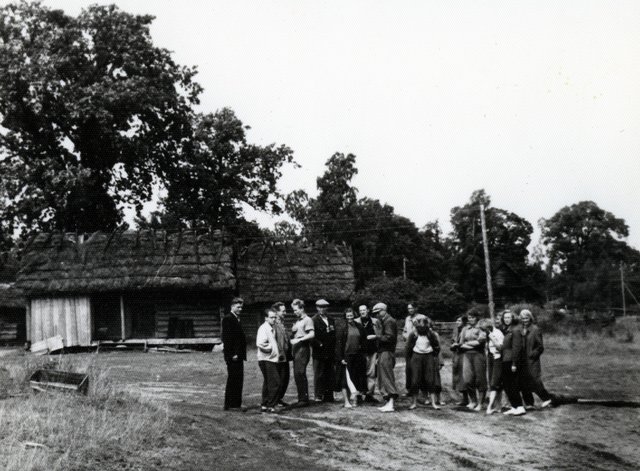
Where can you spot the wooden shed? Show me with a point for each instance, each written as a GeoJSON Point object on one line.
{"type": "Point", "coordinates": [152, 287]}
{"type": "Point", "coordinates": [283, 271]}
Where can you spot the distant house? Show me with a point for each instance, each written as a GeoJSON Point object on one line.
{"type": "Point", "coordinates": [137, 286]}
{"type": "Point", "coordinates": [159, 287]}
{"type": "Point", "coordinates": [511, 286]}
{"type": "Point", "coordinates": [282, 271]}
{"type": "Point", "coordinates": [12, 305]}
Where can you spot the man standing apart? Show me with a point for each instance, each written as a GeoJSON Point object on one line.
{"type": "Point", "coordinates": [324, 353]}
{"type": "Point", "coordinates": [284, 351]}
{"type": "Point", "coordinates": [386, 357]}
{"type": "Point", "coordinates": [372, 328]}
{"type": "Point", "coordinates": [268, 355]}
{"type": "Point", "coordinates": [303, 333]}
{"type": "Point", "coordinates": [235, 354]}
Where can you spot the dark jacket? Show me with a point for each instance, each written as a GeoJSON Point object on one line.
{"type": "Point", "coordinates": [527, 349]}
{"type": "Point", "coordinates": [324, 343]}
{"type": "Point", "coordinates": [374, 327]}
{"type": "Point", "coordinates": [507, 344]}
{"type": "Point", "coordinates": [233, 338]}
{"type": "Point", "coordinates": [389, 336]}
{"type": "Point", "coordinates": [411, 342]}
{"type": "Point", "coordinates": [342, 332]}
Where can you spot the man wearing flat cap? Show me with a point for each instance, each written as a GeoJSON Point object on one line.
{"type": "Point", "coordinates": [386, 357]}
{"type": "Point", "coordinates": [324, 346]}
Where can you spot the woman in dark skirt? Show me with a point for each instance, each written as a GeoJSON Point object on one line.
{"type": "Point", "coordinates": [423, 351]}
{"type": "Point", "coordinates": [457, 382]}
{"type": "Point", "coordinates": [509, 377]}
{"type": "Point", "coordinates": [351, 362]}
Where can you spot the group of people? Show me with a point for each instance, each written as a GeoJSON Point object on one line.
{"type": "Point", "coordinates": [509, 351]}
{"type": "Point", "coordinates": [356, 355]}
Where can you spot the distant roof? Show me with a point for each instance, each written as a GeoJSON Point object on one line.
{"type": "Point", "coordinates": [125, 260]}
{"type": "Point", "coordinates": [10, 296]}
{"type": "Point", "coordinates": [270, 271]}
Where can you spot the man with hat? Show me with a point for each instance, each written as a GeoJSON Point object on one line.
{"type": "Point", "coordinates": [324, 346]}
{"type": "Point", "coordinates": [386, 357]}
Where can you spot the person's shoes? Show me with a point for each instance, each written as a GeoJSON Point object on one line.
{"type": "Point", "coordinates": [386, 408]}
{"type": "Point", "coordinates": [511, 411]}
{"type": "Point", "coordinates": [329, 399]}
{"type": "Point", "coordinates": [546, 404]}
{"type": "Point", "coordinates": [407, 394]}
{"type": "Point", "coordinates": [359, 399]}
{"type": "Point", "coordinates": [347, 405]}
{"type": "Point", "coordinates": [471, 405]}
{"type": "Point", "coordinates": [264, 408]}
{"type": "Point", "coordinates": [236, 409]}
{"type": "Point", "coordinates": [529, 406]}
{"type": "Point", "coordinates": [282, 403]}
{"type": "Point", "coordinates": [370, 399]}
{"type": "Point", "coordinates": [478, 408]}
{"type": "Point", "coordinates": [435, 406]}
{"type": "Point", "coordinates": [316, 399]}
{"type": "Point", "coordinates": [490, 411]}
{"type": "Point", "coordinates": [462, 404]}
{"type": "Point", "coordinates": [303, 403]}
{"type": "Point", "coordinates": [442, 403]}
{"type": "Point", "coordinates": [268, 410]}
{"type": "Point", "coordinates": [520, 411]}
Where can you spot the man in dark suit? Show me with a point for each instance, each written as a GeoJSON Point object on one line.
{"type": "Point", "coordinates": [324, 347]}
{"type": "Point", "coordinates": [235, 354]}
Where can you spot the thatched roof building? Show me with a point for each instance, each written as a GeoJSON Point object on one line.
{"type": "Point", "coordinates": [153, 285]}
{"type": "Point", "coordinates": [267, 272]}
{"type": "Point", "coordinates": [131, 260]}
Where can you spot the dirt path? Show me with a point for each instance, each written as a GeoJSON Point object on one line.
{"type": "Point", "coordinates": [326, 436]}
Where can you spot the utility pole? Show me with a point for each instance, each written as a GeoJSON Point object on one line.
{"type": "Point", "coordinates": [404, 267]}
{"type": "Point", "coordinates": [624, 304]}
{"type": "Point", "coordinates": [487, 265]}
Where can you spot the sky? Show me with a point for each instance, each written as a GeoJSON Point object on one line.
{"type": "Point", "coordinates": [536, 102]}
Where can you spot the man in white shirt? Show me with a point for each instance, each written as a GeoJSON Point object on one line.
{"type": "Point", "coordinates": [268, 356]}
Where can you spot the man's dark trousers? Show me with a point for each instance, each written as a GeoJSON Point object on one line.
{"type": "Point", "coordinates": [235, 379]}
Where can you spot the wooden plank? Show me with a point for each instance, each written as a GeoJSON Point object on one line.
{"type": "Point", "coordinates": [47, 345]}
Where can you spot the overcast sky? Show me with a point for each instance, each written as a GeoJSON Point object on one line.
{"type": "Point", "coordinates": [536, 102]}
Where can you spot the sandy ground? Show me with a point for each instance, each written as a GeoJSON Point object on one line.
{"type": "Point", "coordinates": [327, 436]}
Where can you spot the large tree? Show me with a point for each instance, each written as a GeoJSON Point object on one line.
{"type": "Point", "coordinates": [585, 247]}
{"type": "Point", "coordinates": [379, 237]}
{"type": "Point", "coordinates": [508, 236]}
{"type": "Point", "coordinates": [95, 118]}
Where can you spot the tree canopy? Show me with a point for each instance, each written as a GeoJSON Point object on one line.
{"type": "Point", "coordinates": [585, 246]}
{"type": "Point", "coordinates": [94, 118]}
{"type": "Point", "coordinates": [508, 236]}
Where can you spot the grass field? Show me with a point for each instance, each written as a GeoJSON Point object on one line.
{"type": "Point", "coordinates": [149, 411]}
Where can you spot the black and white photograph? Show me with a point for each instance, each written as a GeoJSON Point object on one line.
{"type": "Point", "coordinates": [319, 235]}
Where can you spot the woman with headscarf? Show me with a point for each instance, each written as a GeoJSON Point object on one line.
{"type": "Point", "coordinates": [527, 349]}
{"type": "Point", "coordinates": [423, 351]}
{"type": "Point", "coordinates": [351, 362]}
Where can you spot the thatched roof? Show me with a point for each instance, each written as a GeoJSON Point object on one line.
{"type": "Point", "coordinates": [269, 272]}
{"type": "Point", "coordinates": [10, 296]}
{"type": "Point", "coordinates": [129, 260]}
